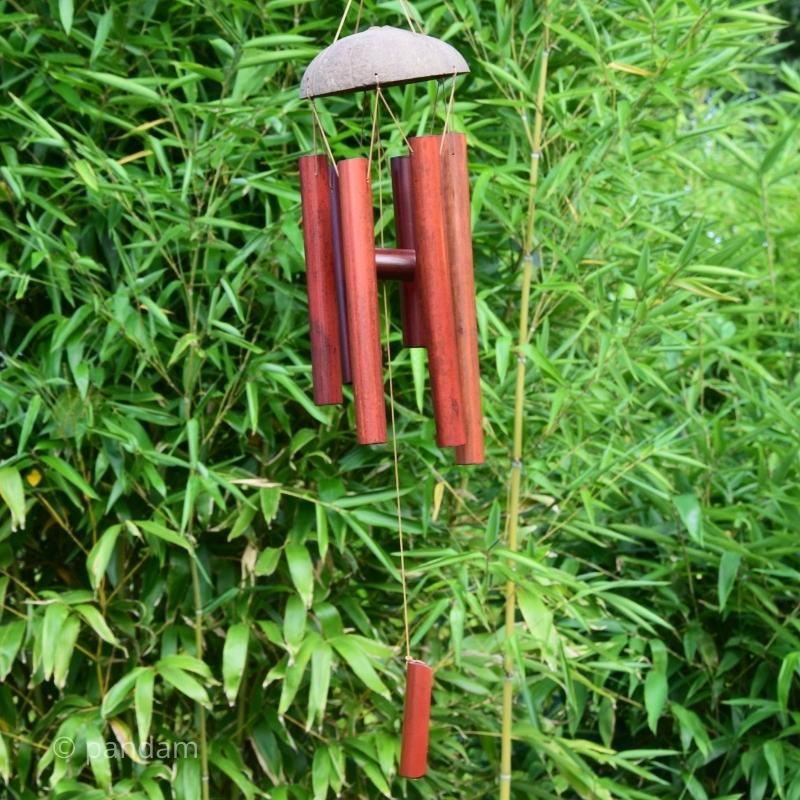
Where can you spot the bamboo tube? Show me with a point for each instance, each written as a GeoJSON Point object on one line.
{"type": "Point", "coordinates": [455, 191]}
{"type": "Point", "coordinates": [416, 720]}
{"type": "Point", "coordinates": [361, 285]}
{"type": "Point", "coordinates": [410, 302]}
{"type": "Point", "coordinates": [338, 270]}
{"type": "Point", "coordinates": [326, 368]}
{"type": "Point", "coordinates": [436, 292]}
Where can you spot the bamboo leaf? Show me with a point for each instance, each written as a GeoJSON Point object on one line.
{"type": "Point", "coordinates": [5, 762]}
{"type": "Point", "coordinates": [101, 33]}
{"type": "Point", "coordinates": [302, 571]}
{"type": "Point", "coordinates": [65, 13]}
{"type": "Point", "coordinates": [11, 636]}
{"type": "Point", "coordinates": [728, 570]}
{"type": "Point", "coordinates": [691, 515]}
{"type": "Point", "coordinates": [98, 757]}
{"type": "Point", "coordinates": [143, 702]}
{"type": "Point", "coordinates": [68, 472]}
{"type": "Point", "coordinates": [96, 621]}
{"type": "Point", "coordinates": [117, 695]}
{"type": "Point", "coordinates": [655, 686]}
{"type": "Point", "coordinates": [126, 85]}
{"type": "Point", "coordinates": [164, 533]}
{"type": "Point", "coordinates": [234, 657]}
{"type": "Point", "coordinates": [54, 618]}
{"type": "Point", "coordinates": [100, 555]}
{"type": "Point", "coordinates": [13, 494]}
{"type": "Point", "coordinates": [185, 684]}
{"type": "Point", "coordinates": [357, 660]}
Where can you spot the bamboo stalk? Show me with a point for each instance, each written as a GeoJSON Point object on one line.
{"type": "Point", "coordinates": [199, 646]}
{"type": "Point", "coordinates": [519, 407]}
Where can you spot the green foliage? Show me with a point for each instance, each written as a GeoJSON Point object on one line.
{"type": "Point", "coordinates": [192, 552]}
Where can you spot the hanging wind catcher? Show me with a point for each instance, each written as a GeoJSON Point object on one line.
{"type": "Point", "coordinates": [433, 254]}
{"type": "Point", "coordinates": [432, 260]}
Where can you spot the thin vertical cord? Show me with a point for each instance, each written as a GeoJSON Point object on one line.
{"type": "Point", "coordinates": [341, 21]}
{"type": "Point", "coordinates": [375, 109]}
{"type": "Point", "coordinates": [392, 115]}
{"type": "Point", "coordinates": [432, 122]}
{"type": "Point", "coordinates": [449, 110]}
{"type": "Point", "coordinates": [318, 121]}
{"type": "Point", "coordinates": [372, 143]}
{"type": "Point", "coordinates": [407, 11]}
{"type": "Point", "coordinates": [379, 159]}
{"type": "Point", "coordinates": [314, 134]}
{"type": "Point", "coordinates": [397, 479]}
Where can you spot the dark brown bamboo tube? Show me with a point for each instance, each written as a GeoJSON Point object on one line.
{"type": "Point", "coordinates": [361, 284]}
{"type": "Point", "coordinates": [455, 191]}
{"type": "Point", "coordinates": [338, 269]}
{"type": "Point", "coordinates": [326, 367]}
{"type": "Point", "coordinates": [416, 720]}
{"type": "Point", "coordinates": [433, 276]}
{"type": "Point", "coordinates": [394, 264]}
{"type": "Point", "coordinates": [410, 303]}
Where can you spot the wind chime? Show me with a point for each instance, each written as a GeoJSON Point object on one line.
{"type": "Point", "coordinates": [432, 260]}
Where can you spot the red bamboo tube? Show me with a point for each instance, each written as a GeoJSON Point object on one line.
{"type": "Point", "coordinates": [326, 367]}
{"type": "Point", "coordinates": [361, 285]}
{"type": "Point", "coordinates": [433, 276]}
{"type": "Point", "coordinates": [410, 303]}
{"type": "Point", "coordinates": [416, 720]}
{"type": "Point", "coordinates": [338, 271]}
{"type": "Point", "coordinates": [394, 264]}
{"type": "Point", "coordinates": [455, 191]}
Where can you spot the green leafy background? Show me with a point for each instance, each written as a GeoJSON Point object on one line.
{"type": "Point", "coordinates": [191, 551]}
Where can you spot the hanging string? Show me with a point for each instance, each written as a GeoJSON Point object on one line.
{"type": "Point", "coordinates": [381, 154]}
{"type": "Point", "coordinates": [397, 480]}
{"type": "Point", "coordinates": [341, 21]}
{"type": "Point", "coordinates": [407, 11]}
{"type": "Point", "coordinates": [318, 121]}
{"type": "Point", "coordinates": [449, 112]}
{"type": "Point", "coordinates": [314, 135]}
{"type": "Point", "coordinates": [375, 109]}
{"type": "Point", "coordinates": [391, 113]}
{"type": "Point", "coordinates": [374, 137]}
{"type": "Point", "coordinates": [432, 120]}
{"type": "Point", "coordinates": [404, 4]}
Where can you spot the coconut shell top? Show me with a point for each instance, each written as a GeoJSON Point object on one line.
{"type": "Point", "coordinates": [379, 56]}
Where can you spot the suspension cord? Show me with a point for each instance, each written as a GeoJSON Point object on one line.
{"type": "Point", "coordinates": [318, 123]}
{"type": "Point", "coordinates": [341, 21]}
{"type": "Point", "coordinates": [375, 142]}
{"type": "Point", "coordinates": [397, 481]}
{"type": "Point", "coordinates": [392, 115]}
